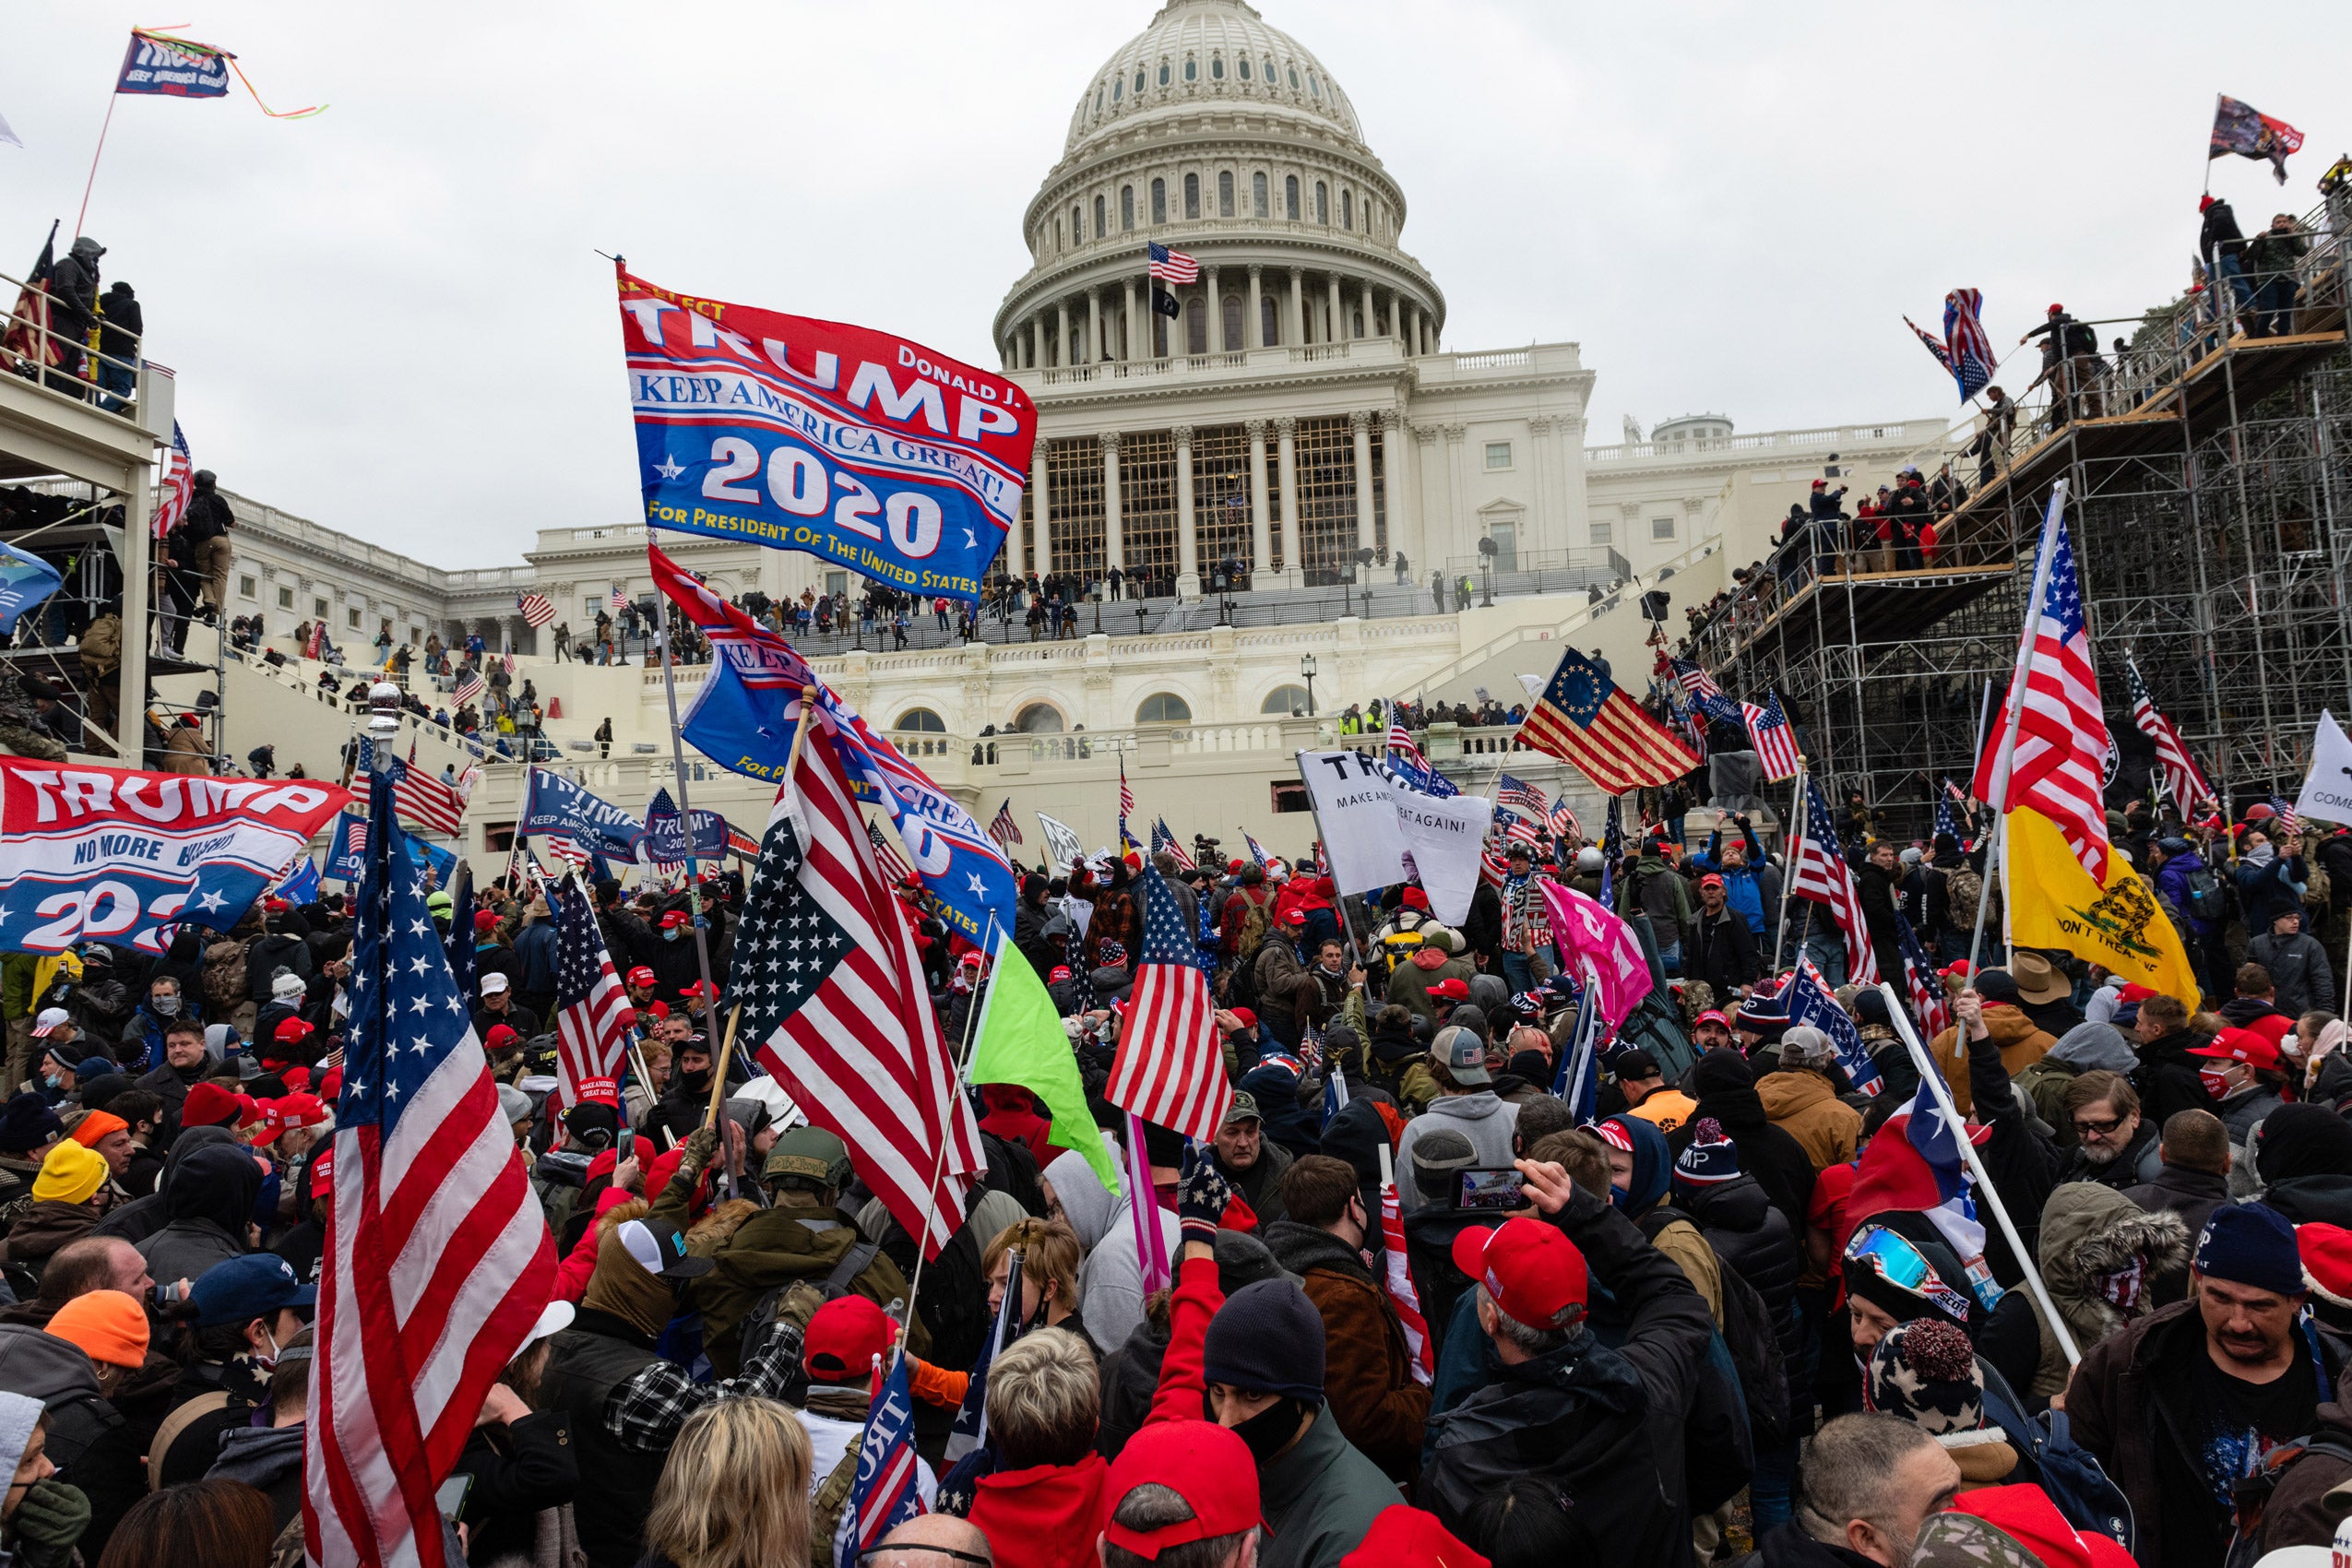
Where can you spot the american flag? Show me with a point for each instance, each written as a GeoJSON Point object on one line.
{"type": "Point", "coordinates": [437, 1259]}
{"type": "Point", "coordinates": [887, 854]}
{"type": "Point", "coordinates": [536, 607]}
{"type": "Point", "coordinates": [470, 687]}
{"type": "Point", "coordinates": [1397, 1278]}
{"type": "Point", "coordinates": [2063, 738]}
{"type": "Point", "coordinates": [417, 797]}
{"type": "Point", "coordinates": [1776, 738]}
{"type": "Point", "coordinates": [1822, 874]}
{"type": "Point", "coordinates": [1563, 821]}
{"type": "Point", "coordinates": [833, 994]}
{"type": "Point", "coordinates": [1258, 852]}
{"type": "Point", "coordinates": [885, 1493]}
{"type": "Point", "coordinates": [178, 484]}
{"type": "Point", "coordinates": [1003, 829]}
{"type": "Point", "coordinates": [1174, 266]}
{"type": "Point", "coordinates": [2183, 782]}
{"type": "Point", "coordinates": [1170, 1070]}
{"type": "Point", "coordinates": [592, 1012]}
{"type": "Point", "coordinates": [1400, 741]}
{"type": "Point", "coordinates": [1586, 719]}
{"type": "Point", "coordinates": [1161, 838]}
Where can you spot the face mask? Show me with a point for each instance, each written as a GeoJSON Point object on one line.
{"type": "Point", "coordinates": [2216, 1082]}
{"type": "Point", "coordinates": [164, 1006]}
{"type": "Point", "coordinates": [1270, 1428]}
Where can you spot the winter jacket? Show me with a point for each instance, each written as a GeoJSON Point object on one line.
{"type": "Point", "coordinates": [2301, 977]}
{"type": "Point", "coordinates": [1482, 1117]}
{"type": "Point", "coordinates": [1805, 1106]}
{"type": "Point", "coordinates": [2089, 1231]}
{"type": "Point", "coordinates": [1602, 1426]}
{"type": "Point", "coordinates": [2176, 1188]}
{"type": "Point", "coordinates": [2021, 1044]}
{"type": "Point", "coordinates": [1368, 1369]}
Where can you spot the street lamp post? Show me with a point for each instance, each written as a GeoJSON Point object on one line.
{"type": "Point", "coordinates": [1307, 668]}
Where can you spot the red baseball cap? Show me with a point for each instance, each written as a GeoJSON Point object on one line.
{"type": "Point", "coordinates": [1454, 988]}
{"type": "Point", "coordinates": [642, 976]}
{"type": "Point", "coordinates": [1533, 1271]}
{"type": "Point", "coordinates": [2242, 1045]}
{"type": "Point", "coordinates": [844, 1337]}
{"type": "Point", "coordinates": [1408, 1538]}
{"type": "Point", "coordinates": [1208, 1465]}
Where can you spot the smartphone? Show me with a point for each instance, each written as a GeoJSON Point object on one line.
{"type": "Point", "coordinates": [1492, 1188]}
{"type": "Point", "coordinates": [451, 1496]}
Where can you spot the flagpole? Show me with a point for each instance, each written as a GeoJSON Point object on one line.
{"type": "Point", "coordinates": [1933, 1077]}
{"type": "Point", "coordinates": [686, 808]}
{"type": "Point", "coordinates": [2017, 678]}
{"type": "Point", "coordinates": [1788, 862]}
{"type": "Point", "coordinates": [946, 1088]}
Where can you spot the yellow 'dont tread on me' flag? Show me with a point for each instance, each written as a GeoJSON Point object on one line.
{"type": "Point", "coordinates": [2054, 903]}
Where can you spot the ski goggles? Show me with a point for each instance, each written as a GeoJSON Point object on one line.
{"type": "Point", "coordinates": [1902, 1266]}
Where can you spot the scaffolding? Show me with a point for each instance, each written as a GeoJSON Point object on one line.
{"type": "Point", "coordinates": [2209, 497]}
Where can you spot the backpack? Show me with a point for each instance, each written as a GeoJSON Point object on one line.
{"type": "Point", "coordinates": [2047, 1456]}
{"type": "Point", "coordinates": [224, 976]}
{"type": "Point", "coordinates": [2203, 894]}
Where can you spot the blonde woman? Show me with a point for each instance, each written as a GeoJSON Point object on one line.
{"type": "Point", "coordinates": [734, 1492]}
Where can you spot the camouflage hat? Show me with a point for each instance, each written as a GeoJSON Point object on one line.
{"type": "Point", "coordinates": [810, 1157]}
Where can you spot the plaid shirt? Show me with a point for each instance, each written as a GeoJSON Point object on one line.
{"type": "Point", "coordinates": [645, 1413]}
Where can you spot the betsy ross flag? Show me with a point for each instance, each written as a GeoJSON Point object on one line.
{"type": "Point", "coordinates": [173, 495]}
{"type": "Point", "coordinates": [592, 1012]}
{"type": "Point", "coordinates": [1170, 1070]}
{"type": "Point", "coordinates": [536, 607]}
{"type": "Point", "coordinates": [1161, 838]}
{"type": "Point", "coordinates": [1003, 829]}
{"type": "Point", "coordinates": [1174, 266]}
{"type": "Point", "coordinates": [888, 1491]}
{"type": "Point", "coordinates": [1775, 738]}
{"type": "Point", "coordinates": [836, 1008]}
{"type": "Point", "coordinates": [2057, 768]}
{"type": "Point", "coordinates": [436, 1261]}
{"type": "Point", "coordinates": [1586, 719]}
{"type": "Point", "coordinates": [1396, 1279]}
{"type": "Point", "coordinates": [2183, 782]}
{"type": "Point", "coordinates": [1822, 875]}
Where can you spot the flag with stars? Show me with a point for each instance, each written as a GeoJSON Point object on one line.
{"type": "Point", "coordinates": [2059, 765]}
{"type": "Point", "coordinates": [437, 1259]}
{"type": "Point", "coordinates": [1588, 721]}
{"type": "Point", "coordinates": [835, 1002]}
{"type": "Point", "coordinates": [1170, 1070]}
{"type": "Point", "coordinates": [592, 1012]}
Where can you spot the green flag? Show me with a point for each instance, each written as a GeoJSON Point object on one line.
{"type": "Point", "coordinates": [1021, 1042]}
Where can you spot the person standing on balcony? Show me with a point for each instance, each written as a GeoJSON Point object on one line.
{"type": "Point", "coordinates": [207, 526]}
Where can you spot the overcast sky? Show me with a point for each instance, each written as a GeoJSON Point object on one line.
{"type": "Point", "coordinates": [391, 318]}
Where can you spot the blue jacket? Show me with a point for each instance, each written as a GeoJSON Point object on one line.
{"type": "Point", "coordinates": [1741, 887]}
{"type": "Point", "coordinates": [535, 957]}
{"type": "Point", "coordinates": [2266, 892]}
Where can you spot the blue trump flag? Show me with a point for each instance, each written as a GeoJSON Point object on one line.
{"type": "Point", "coordinates": [553, 804]}
{"type": "Point", "coordinates": [856, 446]}
{"type": "Point", "coordinates": [744, 718]}
{"type": "Point", "coordinates": [24, 581]}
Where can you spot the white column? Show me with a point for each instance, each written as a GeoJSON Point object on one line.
{"type": "Point", "coordinates": [1298, 316]}
{"type": "Point", "coordinates": [1360, 423]}
{"type": "Point", "coordinates": [1338, 322]}
{"type": "Point", "coordinates": [1062, 331]}
{"type": "Point", "coordinates": [1127, 344]}
{"type": "Point", "coordinates": [1250, 324]}
{"type": "Point", "coordinates": [1260, 534]}
{"type": "Point", "coordinates": [1217, 342]}
{"type": "Point", "coordinates": [1094, 325]}
{"type": "Point", "coordinates": [1188, 544]}
{"type": "Point", "coordinates": [1286, 465]}
{"type": "Point", "coordinates": [1114, 538]}
{"type": "Point", "coordinates": [1040, 514]}
{"type": "Point", "coordinates": [1403, 515]}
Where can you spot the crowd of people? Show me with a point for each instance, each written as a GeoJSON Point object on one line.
{"type": "Point", "coordinates": [1722, 1317]}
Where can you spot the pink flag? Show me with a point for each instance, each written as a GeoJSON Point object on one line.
{"type": "Point", "coordinates": [1583, 928]}
{"type": "Point", "coordinates": [1397, 1278]}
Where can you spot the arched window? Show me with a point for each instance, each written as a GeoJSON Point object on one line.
{"type": "Point", "coordinates": [922, 719]}
{"type": "Point", "coordinates": [1257, 193]}
{"type": "Point", "coordinates": [1225, 193]}
{"type": "Point", "coordinates": [1191, 196]}
{"type": "Point", "coordinates": [1191, 70]}
{"type": "Point", "coordinates": [1039, 718]}
{"type": "Point", "coordinates": [1101, 217]}
{"type": "Point", "coordinates": [1291, 198]}
{"type": "Point", "coordinates": [1285, 700]}
{"type": "Point", "coordinates": [1216, 67]}
{"type": "Point", "coordinates": [1126, 207]}
{"type": "Point", "coordinates": [1323, 202]}
{"type": "Point", "coordinates": [1159, 201]}
{"type": "Point", "coordinates": [1196, 326]}
{"type": "Point", "coordinates": [1164, 707]}
{"type": "Point", "coordinates": [1269, 328]}
{"type": "Point", "coordinates": [1347, 210]}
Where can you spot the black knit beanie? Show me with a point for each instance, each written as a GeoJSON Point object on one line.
{"type": "Point", "coordinates": [1266, 1338]}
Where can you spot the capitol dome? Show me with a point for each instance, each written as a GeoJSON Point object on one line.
{"type": "Point", "coordinates": [1215, 135]}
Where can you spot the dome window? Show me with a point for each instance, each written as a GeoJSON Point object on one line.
{"type": "Point", "coordinates": [1191, 196]}
{"type": "Point", "coordinates": [1163, 73]}
{"type": "Point", "coordinates": [1244, 64]}
{"type": "Point", "coordinates": [1216, 67]}
{"type": "Point", "coordinates": [1313, 86]}
{"type": "Point", "coordinates": [1191, 70]}
{"type": "Point", "coordinates": [1294, 78]}
{"type": "Point", "coordinates": [1257, 193]}
{"type": "Point", "coordinates": [1118, 87]}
